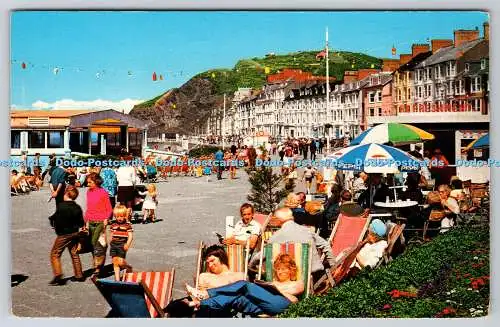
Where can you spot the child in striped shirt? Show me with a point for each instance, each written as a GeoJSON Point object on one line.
{"type": "Point", "coordinates": [121, 240]}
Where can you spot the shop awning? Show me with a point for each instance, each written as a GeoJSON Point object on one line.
{"type": "Point", "coordinates": [106, 117]}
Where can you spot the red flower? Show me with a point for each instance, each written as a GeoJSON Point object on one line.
{"type": "Point", "coordinates": [448, 310]}
{"type": "Point", "coordinates": [387, 307]}
{"type": "Point", "coordinates": [466, 275]}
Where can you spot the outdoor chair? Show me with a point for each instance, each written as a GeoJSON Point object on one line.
{"type": "Point", "coordinates": [345, 239]}
{"type": "Point", "coordinates": [138, 295]}
{"type": "Point", "coordinates": [395, 239]}
{"type": "Point", "coordinates": [302, 254]}
{"type": "Point", "coordinates": [237, 256]}
{"type": "Point", "coordinates": [434, 217]}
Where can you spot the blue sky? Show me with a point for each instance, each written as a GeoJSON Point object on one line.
{"type": "Point", "coordinates": [91, 59]}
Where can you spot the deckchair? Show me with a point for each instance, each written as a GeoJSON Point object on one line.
{"type": "Point", "coordinates": [237, 256]}
{"type": "Point", "coordinates": [395, 234]}
{"type": "Point", "coordinates": [302, 254]}
{"type": "Point", "coordinates": [139, 295]}
{"type": "Point", "coordinates": [347, 234]}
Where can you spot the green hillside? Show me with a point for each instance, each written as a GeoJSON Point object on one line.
{"type": "Point", "coordinates": [251, 72]}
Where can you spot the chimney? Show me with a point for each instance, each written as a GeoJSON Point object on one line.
{"type": "Point", "coordinates": [462, 36]}
{"type": "Point", "coordinates": [362, 73]}
{"type": "Point", "coordinates": [419, 48]}
{"type": "Point", "coordinates": [390, 65]}
{"type": "Point", "coordinates": [404, 58]}
{"type": "Point", "coordinates": [438, 44]}
{"type": "Point", "coordinates": [486, 30]}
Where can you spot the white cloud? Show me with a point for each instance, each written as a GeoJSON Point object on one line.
{"type": "Point", "coordinates": [99, 104]}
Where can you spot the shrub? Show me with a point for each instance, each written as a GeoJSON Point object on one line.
{"type": "Point", "coordinates": [203, 151]}
{"type": "Point", "coordinates": [448, 277]}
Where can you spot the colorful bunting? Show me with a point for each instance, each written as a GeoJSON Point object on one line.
{"type": "Point", "coordinates": [56, 71]}
{"type": "Point", "coordinates": [23, 65]}
{"type": "Point", "coordinates": [267, 70]}
{"type": "Point", "coordinates": [213, 75]}
{"type": "Point", "coordinates": [393, 50]}
{"type": "Point", "coordinates": [161, 77]}
{"type": "Point", "coordinates": [154, 76]}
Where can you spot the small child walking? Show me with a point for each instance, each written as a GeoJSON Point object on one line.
{"type": "Point", "coordinates": [150, 203]}
{"type": "Point", "coordinates": [121, 240]}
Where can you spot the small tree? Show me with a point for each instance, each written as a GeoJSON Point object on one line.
{"type": "Point", "coordinates": [268, 188]}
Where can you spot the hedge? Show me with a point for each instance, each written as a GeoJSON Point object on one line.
{"type": "Point", "coordinates": [205, 150]}
{"type": "Point", "coordinates": [447, 277]}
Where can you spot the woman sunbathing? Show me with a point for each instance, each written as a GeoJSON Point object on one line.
{"type": "Point", "coordinates": [218, 273]}
{"type": "Point", "coordinates": [249, 298]}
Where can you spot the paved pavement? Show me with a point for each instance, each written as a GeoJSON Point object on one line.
{"type": "Point", "coordinates": [191, 209]}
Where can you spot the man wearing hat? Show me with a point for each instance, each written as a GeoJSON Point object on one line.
{"type": "Point", "coordinates": [372, 252]}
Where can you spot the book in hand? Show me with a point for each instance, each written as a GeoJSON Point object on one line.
{"type": "Point", "coordinates": [268, 286]}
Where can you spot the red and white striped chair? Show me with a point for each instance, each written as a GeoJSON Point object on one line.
{"type": "Point", "coordinates": [159, 284]}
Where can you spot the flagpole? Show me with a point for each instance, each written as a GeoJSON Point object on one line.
{"type": "Point", "coordinates": [327, 93]}
{"type": "Point", "coordinates": [223, 123]}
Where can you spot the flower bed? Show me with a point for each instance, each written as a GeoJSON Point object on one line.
{"type": "Point", "coordinates": [447, 277]}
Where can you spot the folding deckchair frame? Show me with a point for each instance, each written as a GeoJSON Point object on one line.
{"type": "Point", "coordinates": [145, 288]}
{"type": "Point", "coordinates": [200, 263]}
{"type": "Point", "coordinates": [346, 255]}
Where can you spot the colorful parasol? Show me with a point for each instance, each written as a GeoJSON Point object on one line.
{"type": "Point", "coordinates": [397, 134]}
{"type": "Point", "coordinates": [374, 158]}
{"type": "Point", "coordinates": [481, 143]}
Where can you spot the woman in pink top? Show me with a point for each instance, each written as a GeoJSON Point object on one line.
{"type": "Point", "coordinates": [96, 218]}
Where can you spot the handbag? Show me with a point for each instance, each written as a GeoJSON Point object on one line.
{"type": "Point", "coordinates": [84, 242]}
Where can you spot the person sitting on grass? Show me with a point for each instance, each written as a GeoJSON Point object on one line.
{"type": "Point", "coordinates": [121, 240]}
{"type": "Point", "coordinates": [217, 269]}
{"type": "Point", "coordinates": [250, 298]}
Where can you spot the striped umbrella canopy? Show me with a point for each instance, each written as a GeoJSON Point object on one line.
{"type": "Point", "coordinates": [397, 134]}
{"type": "Point", "coordinates": [480, 143]}
{"type": "Point", "coordinates": [374, 158]}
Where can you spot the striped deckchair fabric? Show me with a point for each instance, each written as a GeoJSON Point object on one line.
{"type": "Point", "coordinates": [159, 283]}
{"type": "Point", "coordinates": [301, 252]}
{"type": "Point", "coordinates": [237, 255]}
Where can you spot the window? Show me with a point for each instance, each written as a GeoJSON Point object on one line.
{"type": "Point", "coordinates": [476, 105]}
{"type": "Point", "coordinates": [372, 112]}
{"type": "Point", "coordinates": [56, 139]}
{"type": "Point", "coordinates": [483, 63]}
{"type": "Point", "coordinates": [476, 84]}
{"type": "Point", "coordinates": [379, 111]}
{"type": "Point", "coordinates": [467, 67]}
{"type": "Point", "coordinates": [15, 139]}
{"type": "Point", "coordinates": [437, 71]}
{"type": "Point", "coordinates": [450, 88]}
{"type": "Point", "coordinates": [379, 96]}
{"type": "Point", "coordinates": [428, 74]}
{"type": "Point", "coordinates": [399, 95]}
{"type": "Point", "coordinates": [408, 93]}
{"type": "Point", "coordinates": [428, 90]}
{"type": "Point", "coordinates": [419, 92]}
{"type": "Point", "coordinates": [371, 97]}
{"type": "Point", "coordinates": [36, 140]}
{"type": "Point", "coordinates": [459, 87]}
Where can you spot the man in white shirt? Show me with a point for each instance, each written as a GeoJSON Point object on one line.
{"type": "Point", "coordinates": [245, 230]}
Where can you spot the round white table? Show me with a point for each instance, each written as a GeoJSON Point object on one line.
{"type": "Point", "coordinates": [397, 204]}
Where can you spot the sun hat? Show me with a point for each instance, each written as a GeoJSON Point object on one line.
{"type": "Point", "coordinates": [378, 227]}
